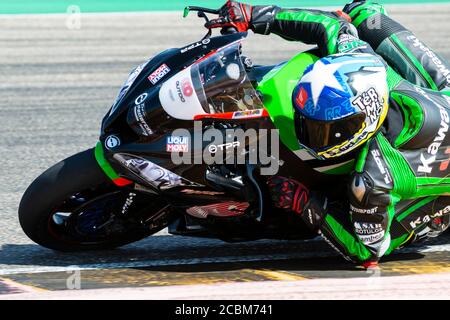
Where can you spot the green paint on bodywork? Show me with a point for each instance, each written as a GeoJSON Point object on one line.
{"type": "Point", "coordinates": [103, 163]}
{"type": "Point", "coordinates": [277, 87]}
{"type": "Point", "coordinates": [345, 168]}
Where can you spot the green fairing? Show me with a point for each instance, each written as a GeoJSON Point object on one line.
{"type": "Point", "coordinates": [277, 87]}
{"type": "Point", "coordinates": [103, 163]}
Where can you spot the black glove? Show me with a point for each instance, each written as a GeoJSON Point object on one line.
{"type": "Point", "coordinates": [288, 194]}
{"type": "Point", "coordinates": [233, 14]}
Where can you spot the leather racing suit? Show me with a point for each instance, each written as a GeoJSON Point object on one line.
{"type": "Point", "coordinates": [400, 187]}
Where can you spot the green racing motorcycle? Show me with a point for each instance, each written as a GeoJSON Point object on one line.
{"type": "Point", "coordinates": [129, 187]}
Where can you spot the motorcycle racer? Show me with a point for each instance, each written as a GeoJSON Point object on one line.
{"type": "Point", "coordinates": [398, 125]}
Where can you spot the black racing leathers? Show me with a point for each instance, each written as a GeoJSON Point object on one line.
{"type": "Point", "coordinates": [400, 186]}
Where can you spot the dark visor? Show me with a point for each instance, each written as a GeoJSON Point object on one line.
{"type": "Point", "coordinates": [320, 135]}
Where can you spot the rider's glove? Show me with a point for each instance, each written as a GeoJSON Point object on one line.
{"type": "Point", "coordinates": [288, 194]}
{"type": "Point", "coordinates": [233, 14]}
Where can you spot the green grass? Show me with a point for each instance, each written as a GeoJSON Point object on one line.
{"type": "Point", "coordinates": [61, 6]}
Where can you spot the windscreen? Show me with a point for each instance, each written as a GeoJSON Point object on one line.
{"type": "Point", "coordinates": [222, 83]}
{"type": "Point", "coordinates": [217, 83]}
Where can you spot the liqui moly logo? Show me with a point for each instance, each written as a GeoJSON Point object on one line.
{"type": "Point", "coordinates": [158, 74]}
{"type": "Point", "coordinates": [177, 144]}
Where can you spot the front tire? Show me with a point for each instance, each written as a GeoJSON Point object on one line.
{"type": "Point", "coordinates": [74, 206]}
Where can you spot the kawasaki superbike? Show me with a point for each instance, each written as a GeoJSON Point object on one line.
{"type": "Point", "coordinates": [129, 186]}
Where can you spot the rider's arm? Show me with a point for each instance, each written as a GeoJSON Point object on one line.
{"type": "Point", "coordinates": [330, 31]}
{"type": "Point", "coordinates": [321, 28]}
{"type": "Point", "coordinates": [414, 60]}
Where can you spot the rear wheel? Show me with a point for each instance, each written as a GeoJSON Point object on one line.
{"type": "Point", "coordinates": [73, 206]}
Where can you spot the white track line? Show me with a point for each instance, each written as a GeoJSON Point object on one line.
{"type": "Point", "coordinates": [424, 287]}
{"type": "Point", "coordinates": [193, 261]}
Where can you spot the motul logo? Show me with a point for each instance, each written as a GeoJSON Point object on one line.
{"type": "Point", "coordinates": [433, 148]}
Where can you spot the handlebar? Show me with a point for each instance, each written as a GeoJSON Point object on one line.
{"type": "Point", "coordinates": [201, 13]}
{"type": "Point", "coordinates": [199, 9]}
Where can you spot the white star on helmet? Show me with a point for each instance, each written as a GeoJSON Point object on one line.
{"type": "Point", "coordinates": [322, 75]}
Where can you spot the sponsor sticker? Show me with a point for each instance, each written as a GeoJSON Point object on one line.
{"type": "Point", "coordinates": [371, 103]}
{"type": "Point", "coordinates": [186, 87]}
{"type": "Point", "coordinates": [195, 45]}
{"type": "Point", "coordinates": [421, 220]}
{"type": "Point", "coordinates": [112, 142]}
{"type": "Point", "coordinates": [301, 98]}
{"type": "Point", "coordinates": [159, 73]}
{"type": "Point", "coordinates": [381, 166]}
{"type": "Point", "coordinates": [368, 228]}
{"type": "Point", "coordinates": [214, 148]}
{"type": "Point", "coordinates": [141, 99]}
{"type": "Point", "coordinates": [247, 114]}
{"type": "Point", "coordinates": [139, 113]}
{"type": "Point", "coordinates": [177, 144]}
{"type": "Point", "coordinates": [348, 44]}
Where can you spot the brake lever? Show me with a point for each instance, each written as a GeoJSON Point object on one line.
{"type": "Point", "coordinates": [201, 14]}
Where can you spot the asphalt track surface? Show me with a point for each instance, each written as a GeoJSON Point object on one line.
{"type": "Point", "coordinates": [56, 84]}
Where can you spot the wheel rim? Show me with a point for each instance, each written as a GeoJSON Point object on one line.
{"type": "Point", "coordinates": [99, 219]}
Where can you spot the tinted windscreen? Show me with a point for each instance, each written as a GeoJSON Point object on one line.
{"type": "Point", "coordinates": [222, 84]}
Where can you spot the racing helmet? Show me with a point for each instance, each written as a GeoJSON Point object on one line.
{"type": "Point", "coordinates": [340, 103]}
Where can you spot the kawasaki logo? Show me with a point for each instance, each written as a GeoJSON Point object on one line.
{"type": "Point", "coordinates": [438, 62]}
{"type": "Point", "coordinates": [433, 148]}
{"type": "Point", "coordinates": [428, 218]}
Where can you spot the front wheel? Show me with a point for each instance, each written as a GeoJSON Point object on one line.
{"type": "Point", "coordinates": [74, 206]}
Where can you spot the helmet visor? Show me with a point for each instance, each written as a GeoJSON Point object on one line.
{"type": "Point", "coordinates": [321, 135]}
